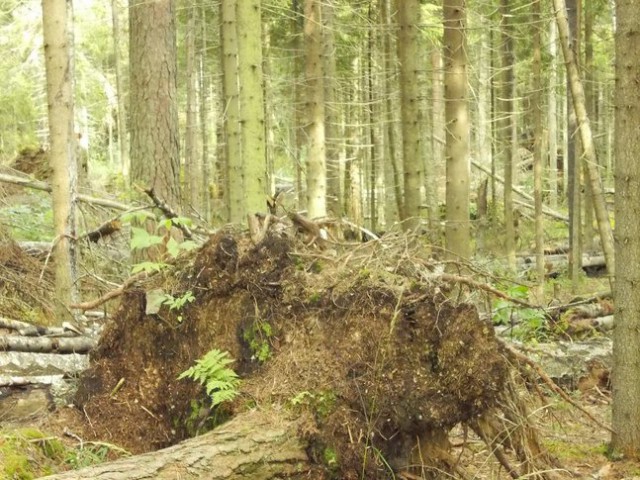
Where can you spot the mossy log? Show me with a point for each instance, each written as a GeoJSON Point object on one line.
{"type": "Point", "coordinates": [257, 444]}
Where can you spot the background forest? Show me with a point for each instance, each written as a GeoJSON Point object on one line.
{"type": "Point", "coordinates": [483, 130]}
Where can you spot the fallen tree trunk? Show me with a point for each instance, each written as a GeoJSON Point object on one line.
{"type": "Point", "coordinates": [30, 330]}
{"type": "Point", "coordinates": [18, 343]}
{"type": "Point", "coordinates": [255, 445]}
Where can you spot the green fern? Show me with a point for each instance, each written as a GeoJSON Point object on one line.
{"type": "Point", "coordinates": [220, 382]}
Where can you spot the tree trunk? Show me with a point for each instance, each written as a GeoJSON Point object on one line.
{"type": "Point", "coordinates": [536, 107]}
{"type": "Point", "coordinates": [553, 116]}
{"type": "Point", "coordinates": [626, 334]}
{"type": "Point", "coordinates": [457, 232]}
{"type": "Point", "coordinates": [408, 55]}
{"type": "Point", "coordinates": [316, 154]}
{"type": "Point", "coordinates": [233, 166]}
{"type": "Point", "coordinates": [123, 136]}
{"type": "Point", "coordinates": [331, 110]}
{"type": "Point", "coordinates": [252, 445]}
{"type": "Point", "coordinates": [577, 93]}
{"type": "Point", "coordinates": [588, 233]}
{"type": "Point", "coordinates": [574, 172]}
{"type": "Point", "coordinates": [251, 103]}
{"type": "Point", "coordinates": [508, 130]}
{"type": "Point", "coordinates": [192, 159]}
{"type": "Point", "coordinates": [392, 186]}
{"type": "Point", "coordinates": [58, 46]}
{"type": "Point", "coordinates": [153, 113]}
{"type": "Point", "coordinates": [203, 77]}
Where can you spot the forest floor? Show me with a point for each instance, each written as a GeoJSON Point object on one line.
{"type": "Point", "coordinates": [332, 329]}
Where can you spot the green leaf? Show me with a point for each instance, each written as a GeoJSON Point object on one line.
{"type": "Point", "coordinates": [141, 239]}
{"type": "Point", "coordinates": [173, 247]}
{"type": "Point", "coordinates": [148, 267]}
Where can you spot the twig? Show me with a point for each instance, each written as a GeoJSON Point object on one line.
{"type": "Point", "coordinates": [552, 385]}
{"type": "Point", "coordinates": [109, 295]}
{"type": "Point", "coordinates": [447, 277]}
{"type": "Point", "coordinates": [169, 212]}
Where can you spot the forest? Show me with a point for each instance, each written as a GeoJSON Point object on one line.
{"type": "Point", "coordinates": [319, 239]}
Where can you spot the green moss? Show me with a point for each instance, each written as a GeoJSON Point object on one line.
{"type": "Point", "coordinates": [569, 450]}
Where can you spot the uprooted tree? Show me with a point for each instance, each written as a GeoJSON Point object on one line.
{"type": "Point", "coordinates": [355, 365]}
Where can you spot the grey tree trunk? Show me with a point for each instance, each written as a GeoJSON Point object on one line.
{"type": "Point", "coordinates": [536, 107]}
{"type": "Point", "coordinates": [577, 93]}
{"type": "Point", "coordinates": [553, 116]}
{"type": "Point", "coordinates": [58, 49]}
{"type": "Point", "coordinates": [626, 335]}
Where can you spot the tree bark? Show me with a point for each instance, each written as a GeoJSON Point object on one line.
{"type": "Point", "coordinates": [626, 334]}
{"type": "Point", "coordinates": [577, 93]}
{"type": "Point", "coordinates": [553, 116]}
{"type": "Point", "coordinates": [251, 106]}
{"type": "Point", "coordinates": [123, 136]}
{"type": "Point", "coordinates": [408, 56]}
{"type": "Point", "coordinates": [457, 231]}
{"type": "Point", "coordinates": [58, 41]}
{"type": "Point", "coordinates": [331, 110]}
{"type": "Point", "coordinates": [192, 159]}
{"type": "Point", "coordinates": [256, 445]}
{"type": "Point", "coordinates": [508, 126]}
{"type": "Point", "coordinates": [316, 154]}
{"type": "Point", "coordinates": [153, 97]}
{"type": "Point", "coordinates": [233, 164]}
{"type": "Point", "coordinates": [536, 106]}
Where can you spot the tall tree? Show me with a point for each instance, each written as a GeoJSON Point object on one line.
{"type": "Point", "coordinates": [58, 46]}
{"type": "Point", "coordinates": [586, 139]}
{"type": "Point", "coordinates": [233, 157]}
{"type": "Point", "coordinates": [536, 107]}
{"type": "Point", "coordinates": [508, 127]}
{"type": "Point", "coordinates": [552, 110]}
{"type": "Point", "coordinates": [192, 160]}
{"type": "Point", "coordinates": [153, 98]}
{"type": "Point", "coordinates": [626, 335]}
{"type": "Point", "coordinates": [316, 153]}
{"type": "Point", "coordinates": [123, 135]}
{"type": "Point", "coordinates": [408, 21]}
{"type": "Point", "coordinates": [251, 105]}
{"type": "Point", "coordinates": [331, 110]}
{"type": "Point", "coordinates": [457, 232]}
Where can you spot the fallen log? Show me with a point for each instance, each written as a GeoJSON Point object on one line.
{"type": "Point", "coordinates": [257, 444]}
{"type": "Point", "coordinates": [28, 329]}
{"type": "Point", "coordinates": [19, 343]}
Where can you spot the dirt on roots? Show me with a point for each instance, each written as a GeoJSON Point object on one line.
{"type": "Point", "coordinates": [380, 355]}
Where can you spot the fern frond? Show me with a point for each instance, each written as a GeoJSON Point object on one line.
{"type": "Point", "coordinates": [221, 383]}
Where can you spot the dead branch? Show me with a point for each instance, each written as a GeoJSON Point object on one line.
{"type": "Point", "coordinates": [520, 359]}
{"type": "Point", "coordinates": [168, 212]}
{"type": "Point", "coordinates": [18, 343]}
{"type": "Point", "coordinates": [447, 277]}
{"type": "Point", "coordinates": [28, 329]}
{"type": "Point", "coordinates": [42, 186]}
{"type": "Point", "coordinates": [106, 229]}
{"type": "Point", "coordinates": [109, 295]}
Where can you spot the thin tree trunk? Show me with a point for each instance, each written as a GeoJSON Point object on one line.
{"type": "Point", "coordinates": [204, 117]}
{"type": "Point", "coordinates": [316, 154]}
{"type": "Point", "coordinates": [588, 230]}
{"type": "Point", "coordinates": [508, 130]}
{"type": "Point", "coordinates": [251, 105]}
{"type": "Point", "coordinates": [457, 233]}
{"type": "Point", "coordinates": [193, 167]}
{"type": "Point", "coordinates": [392, 188]}
{"type": "Point", "coordinates": [123, 138]}
{"type": "Point", "coordinates": [234, 182]}
{"type": "Point", "coordinates": [58, 46]}
{"type": "Point", "coordinates": [553, 116]}
{"type": "Point", "coordinates": [574, 171]}
{"type": "Point", "coordinates": [577, 92]}
{"type": "Point", "coordinates": [536, 107]}
{"type": "Point", "coordinates": [407, 43]}
{"type": "Point", "coordinates": [331, 109]}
